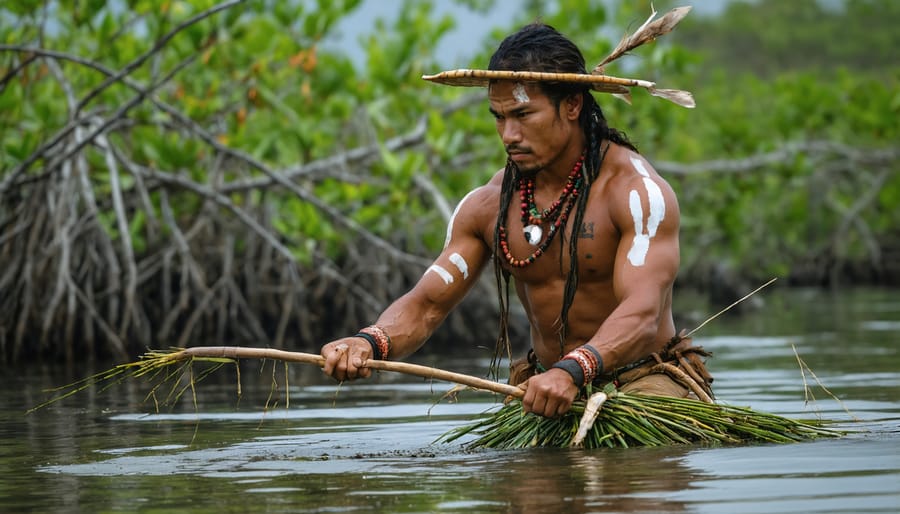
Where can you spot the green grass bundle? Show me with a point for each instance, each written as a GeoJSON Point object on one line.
{"type": "Point", "coordinates": [628, 420]}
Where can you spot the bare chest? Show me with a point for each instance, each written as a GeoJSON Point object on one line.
{"type": "Point", "coordinates": [595, 241]}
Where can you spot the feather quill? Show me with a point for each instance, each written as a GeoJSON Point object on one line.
{"type": "Point", "coordinates": [611, 88]}
{"type": "Point", "coordinates": [677, 96]}
{"type": "Point", "coordinates": [625, 97]}
{"type": "Point", "coordinates": [649, 31]}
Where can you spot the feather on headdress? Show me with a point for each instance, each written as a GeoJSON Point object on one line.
{"type": "Point", "coordinates": [599, 81]}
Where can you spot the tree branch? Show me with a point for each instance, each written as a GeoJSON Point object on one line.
{"type": "Point", "coordinates": [784, 154]}
{"type": "Point", "coordinates": [160, 43]}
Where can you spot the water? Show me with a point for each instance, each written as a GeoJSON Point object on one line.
{"type": "Point", "coordinates": [370, 447]}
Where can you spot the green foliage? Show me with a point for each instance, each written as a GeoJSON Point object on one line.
{"type": "Point", "coordinates": [270, 90]}
{"type": "Point", "coordinates": [261, 95]}
{"type": "Point", "coordinates": [767, 37]}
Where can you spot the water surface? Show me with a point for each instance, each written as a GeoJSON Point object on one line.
{"type": "Point", "coordinates": [370, 447]}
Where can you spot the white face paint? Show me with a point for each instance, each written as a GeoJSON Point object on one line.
{"type": "Point", "coordinates": [453, 217]}
{"type": "Point", "coordinates": [444, 274]}
{"type": "Point", "coordinates": [519, 93]}
{"type": "Point", "coordinates": [637, 255]}
{"type": "Point", "coordinates": [460, 264]}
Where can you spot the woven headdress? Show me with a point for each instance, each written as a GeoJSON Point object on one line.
{"type": "Point", "coordinates": [597, 79]}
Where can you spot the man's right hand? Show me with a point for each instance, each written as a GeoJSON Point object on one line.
{"type": "Point", "coordinates": [344, 358]}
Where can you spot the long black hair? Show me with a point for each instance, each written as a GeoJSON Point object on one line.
{"type": "Point", "coordinates": [540, 47]}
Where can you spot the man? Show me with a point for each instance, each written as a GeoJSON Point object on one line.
{"type": "Point", "coordinates": [586, 228]}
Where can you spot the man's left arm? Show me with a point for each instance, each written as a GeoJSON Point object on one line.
{"type": "Point", "coordinates": [645, 210]}
{"type": "Point", "coordinates": [646, 264]}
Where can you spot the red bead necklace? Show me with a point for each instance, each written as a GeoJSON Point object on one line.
{"type": "Point", "coordinates": [556, 216]}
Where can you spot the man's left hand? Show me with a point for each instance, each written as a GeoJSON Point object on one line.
{"type": "Point", "coordinates": [549, 394]}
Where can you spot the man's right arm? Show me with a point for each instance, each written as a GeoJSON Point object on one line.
{"type": "Point", "coordinates": [412, 318]}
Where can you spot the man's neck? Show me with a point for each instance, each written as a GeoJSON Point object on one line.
{"type": "Point", "coordinates": [555, 175]}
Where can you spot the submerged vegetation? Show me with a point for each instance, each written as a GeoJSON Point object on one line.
{"type": "Point", "coordinates": [174, 173]}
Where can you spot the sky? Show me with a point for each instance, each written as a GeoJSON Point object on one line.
{"type": "Point", "coordinates": [465, 40]}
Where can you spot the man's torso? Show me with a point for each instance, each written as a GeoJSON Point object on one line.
{"type": "Point", "coordinates": [540, 285]}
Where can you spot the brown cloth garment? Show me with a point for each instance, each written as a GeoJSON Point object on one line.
{"type": "Point", "coordinates": [653, 375]}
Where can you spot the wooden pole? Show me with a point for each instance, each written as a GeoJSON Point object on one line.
{"type": "Point", "coordinates": [243, 352]}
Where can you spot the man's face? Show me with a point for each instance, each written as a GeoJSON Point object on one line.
{"type": "Point", "coordinates": [534, 131]}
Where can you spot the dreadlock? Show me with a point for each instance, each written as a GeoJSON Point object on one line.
{"type": "Point", "coordinates": [540, 47]}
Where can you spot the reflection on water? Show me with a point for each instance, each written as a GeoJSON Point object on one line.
{"type": "Point", "coordinates": [370, 448]}
{"type": "Point", "coordinates": [851, 475]}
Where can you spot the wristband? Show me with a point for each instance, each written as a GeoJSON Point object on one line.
{"type": "Point", "coordinates": [572, 368]}
{"type": "Point", "coordinates": [376, 352]}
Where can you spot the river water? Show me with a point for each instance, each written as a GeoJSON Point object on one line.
{"type": "Point", "coordinates": [370, 447]}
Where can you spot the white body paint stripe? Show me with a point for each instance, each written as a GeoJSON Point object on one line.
{"type": "Point", "coordinates": [639, 167]}
{"type": "Point", "coordinates": [641, 244]}
{"type": "Point", "coordinates": [460, 264]}
{"type": "Point", "coordinates": [657, 206]}
{"type": "Point", "coordinates": [637, 255]}
{"type": "Point", "coordinates": [453, 217]}
{"type": "Point", "coordinates": [444, 274]}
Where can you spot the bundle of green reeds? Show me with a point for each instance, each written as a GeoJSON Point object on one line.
{"type": "Point", "coordinates": [627, 420]}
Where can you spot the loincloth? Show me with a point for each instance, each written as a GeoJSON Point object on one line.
{"type": "Point", "coordinates": [678, 371]}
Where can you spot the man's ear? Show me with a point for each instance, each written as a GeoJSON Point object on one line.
{"type": "Point", "coordinates": [572, 106]}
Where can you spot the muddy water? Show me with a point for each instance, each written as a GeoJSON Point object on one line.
{"type": "Point", "coordinates": [370, 447]}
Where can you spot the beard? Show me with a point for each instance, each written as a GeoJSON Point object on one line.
{"type": "Point", "coordinates": [526, 169]}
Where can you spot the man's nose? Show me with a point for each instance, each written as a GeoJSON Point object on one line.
{"type": "Point", "coordinates": [510, 133]}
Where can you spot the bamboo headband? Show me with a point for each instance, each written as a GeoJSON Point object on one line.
{"type": "Point", "coordinates": [598, 81]}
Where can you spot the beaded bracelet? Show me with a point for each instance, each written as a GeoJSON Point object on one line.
{"type": "Point", "coordinates": [583, 363]}
{"type": "Point", "coordinates": [378, 338]}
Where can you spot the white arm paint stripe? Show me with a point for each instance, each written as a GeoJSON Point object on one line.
{"type": "Point", "coordinates": [453, 217]}
{"type": "Point", "coordinates": [657, 206]}
{"type": "Point", "coordinates": [637, 211]}
{"type": "Point", "coordinates": [641, 243]}
{"type": "Point", "coordinates": [460, 264]}
{"type": "Point", "coordinates": [444, 274]}
{"type": "Point", "coordinates": [637, 255]}
{"type": "Point", "coordinates": [639, 167]}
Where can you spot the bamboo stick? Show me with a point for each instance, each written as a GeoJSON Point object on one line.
{"type": "Point", "coordinates": [243, 352]}
{"type": "Point", "coordinates": [466, 77]}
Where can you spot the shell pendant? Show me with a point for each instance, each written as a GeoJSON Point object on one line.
{"type": "Point", "coordinates": [533, 234]}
